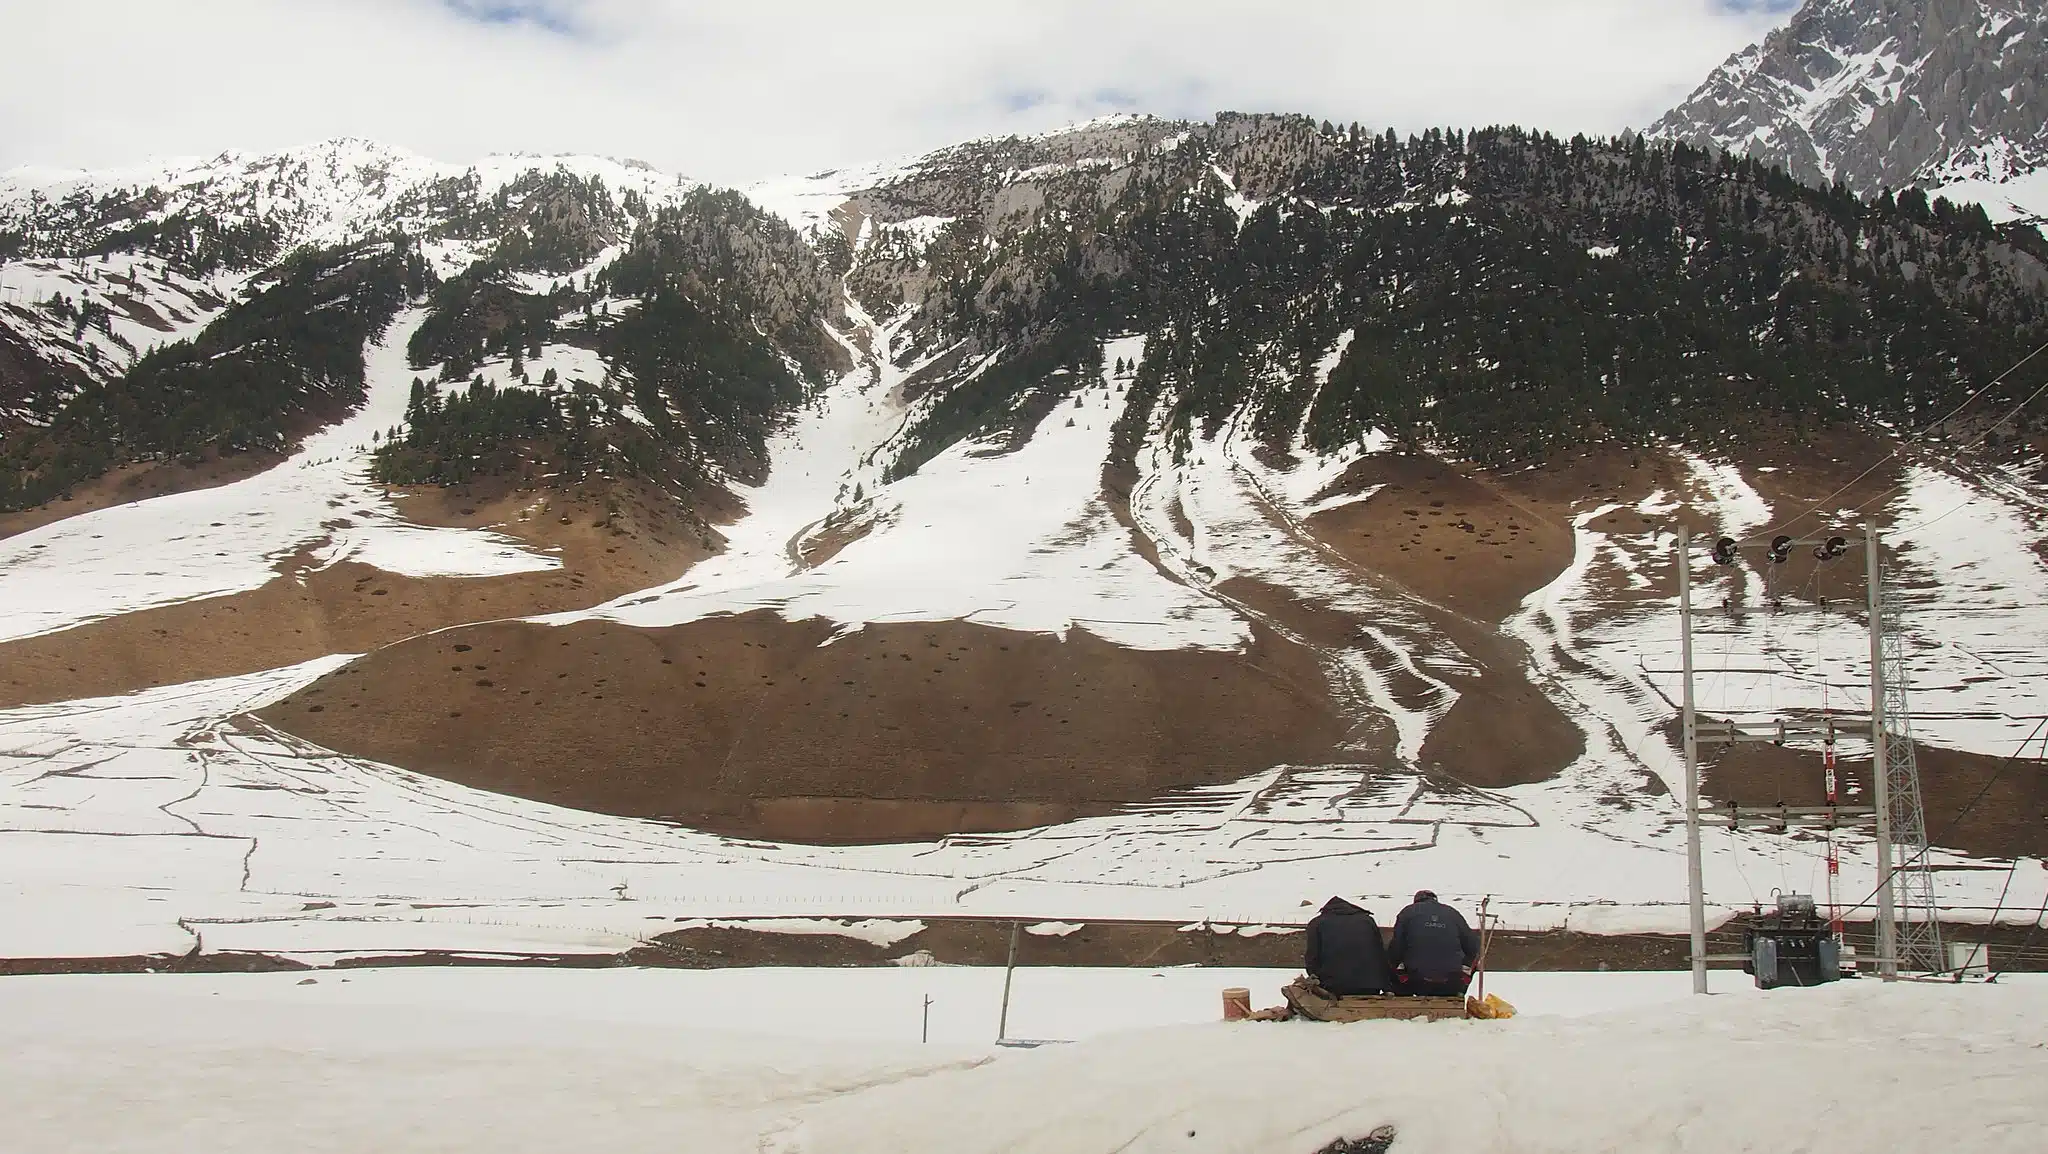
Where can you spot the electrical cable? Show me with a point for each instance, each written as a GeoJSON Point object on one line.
{"type": "Point", "coordinates": [1978, 440]}
{"type": "Point", "coordinates": [1950, 828]}
{"type": "Point", "coordinates": [1894, 453]}
{"type": "Point", "coordinates": [2027, 943]}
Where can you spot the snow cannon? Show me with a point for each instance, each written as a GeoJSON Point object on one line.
{"type": "Point", "coordinates": [1792, 946]}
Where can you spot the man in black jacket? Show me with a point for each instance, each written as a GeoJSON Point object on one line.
{"type": "Point", "coordinates": [1433, 950]}
{"type": "Point", "coordinates": [1345, 951]}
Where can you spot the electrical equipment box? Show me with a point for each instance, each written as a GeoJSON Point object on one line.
{"type": "Point", "coordinates": [1792, 946]}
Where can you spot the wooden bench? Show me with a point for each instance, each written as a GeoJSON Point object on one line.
{"type": "Point", "coordinates": [1309, 1000]}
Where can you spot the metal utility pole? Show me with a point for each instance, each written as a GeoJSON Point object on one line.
{"type": "Point", "coordinates": [1898, 814]}
{"type": "Point", "coordinates": [1009, 970]}
{"type": "Point", "coordinates": [1880, 776]}
{"type": "Point", "coordinates": [1695, 884]}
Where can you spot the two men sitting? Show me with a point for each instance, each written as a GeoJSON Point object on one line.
{"type": "Point", "coordinates": [1433, 951]}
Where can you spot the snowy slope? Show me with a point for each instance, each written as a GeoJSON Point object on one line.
{"type": "Point", "coordinates": [136, 302]}
{"type": "Point", "coordinates": [159, 822]}
{"type": "Point", "coordinates": [210, 542]}
{"type": "Point", "coordinates": [952, 181]}
{"type": "Point", "coordinates": [327, 193]}
{"type": "Point", "coordinates": [1020, 541]}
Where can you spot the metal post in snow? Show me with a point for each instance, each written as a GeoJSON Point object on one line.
{"type": "Point", "coordinates": [1009, 969]}
{"type": "Point", "coordinates": [1880, 774]}
{"type": "Point", "coordinates": [925, 1034]}
{"type": "Point", "coordinates": [1694, 884]}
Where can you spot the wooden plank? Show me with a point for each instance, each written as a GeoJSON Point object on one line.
{"type": "Point", "coordinates": [1310, 1001]}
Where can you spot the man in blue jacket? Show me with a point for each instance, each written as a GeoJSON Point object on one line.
{"type": "Point", "coordinates": [1345, 952]}
{"type": "Point", "coordinates": [1434, 951]}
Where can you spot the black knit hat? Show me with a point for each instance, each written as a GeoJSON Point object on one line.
{"type": "Point", "coordinates": [1425, 895]}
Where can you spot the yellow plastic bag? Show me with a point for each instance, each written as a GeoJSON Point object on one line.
{"type": "Point", "coordinates": [1493, 1007]}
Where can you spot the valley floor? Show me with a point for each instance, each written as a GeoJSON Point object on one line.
{"type": "Point", "coordinates": [820, 1061]}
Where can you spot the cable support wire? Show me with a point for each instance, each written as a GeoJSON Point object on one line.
{"type": "Point", "coordinates": [1929, 428]}
{"type": "Point", "coordinates": [2010, 760]}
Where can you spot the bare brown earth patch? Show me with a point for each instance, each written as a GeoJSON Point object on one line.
{"type": "Point", "coordinates": [140, 480]}
{"type": "Point", "coordinates": [748, 725]}
{"type": "Point", "coordinates": [1993, 807]}
{"type": "Point", "coordinates": [831, 536]}
{"type": "Point", "coordinates": [614, 541]}
{"type": "Point", "coordinates": [1458, 540]}
{"type": "Point", "coordinates": [1502, 730]}
{"type": "Point", "coordinates": [985, 942]}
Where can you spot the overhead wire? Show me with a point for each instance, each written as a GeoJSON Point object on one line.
{"type": "Point", "coordinates": [2026, 945]}
{"type": "Point", "coordinates": [1930, 427]}
{"type": "Point", "coordinates": [2010, 414]}
{"type": "Point", "coordinates": [1953, 822]}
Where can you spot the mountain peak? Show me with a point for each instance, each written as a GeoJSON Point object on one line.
{"type": "Point", "coordinates": [1881, 93]}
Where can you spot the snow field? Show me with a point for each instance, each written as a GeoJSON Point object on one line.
{"type": "Point", "coordinates": [829, 1060]}
{"type": "Point", "coordinates": [162, 822]}
{"type": "Point", "coordinates": [1022, 541]}
{"type": "Point", "coordinates": [1817, 1070]}
{"type": "Point", "coordinates": [184, 305]}
{"type": "Point", "coordinates": [2022, 197]}
{"type": "Point", "coordinates": [1973, 589]}
{"type": "Point", "coordinates": [236, 537]}
{"type": "Point", "coordinates": [326, 193]}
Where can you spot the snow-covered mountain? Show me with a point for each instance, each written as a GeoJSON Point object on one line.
{"type": "Point", "coordinates": [102, 266]}
{"type": "Point", "coordinates": [1151, 518]}
{"type": "Point", "coordinates": [1946, 95]}
{"type": "Point", "coordinates": [326, 193]}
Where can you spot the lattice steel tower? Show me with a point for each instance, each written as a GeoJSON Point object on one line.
{"type": "Point", "coordinates": [1906, 910]}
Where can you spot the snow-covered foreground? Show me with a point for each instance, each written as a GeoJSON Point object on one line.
{"type": "Point", "coordinates": [234, 538]}
{"type": "Point", "coordinates": [829, 1060]}
{"type": "Point", "coordinates": [158, 823]}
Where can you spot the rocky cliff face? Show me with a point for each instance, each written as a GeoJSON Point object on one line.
{"type": "Point", "coordinates": [1883, 94]}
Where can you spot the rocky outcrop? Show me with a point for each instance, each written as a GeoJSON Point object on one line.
{"type": "Point", "coordinates": [1882, 94]}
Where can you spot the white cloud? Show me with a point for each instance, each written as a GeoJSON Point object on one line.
{"type": "Point", "coordinates": [742, 89]}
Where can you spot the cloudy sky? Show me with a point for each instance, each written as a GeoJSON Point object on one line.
{"type": "Point", "coordinates": [739, 90]}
